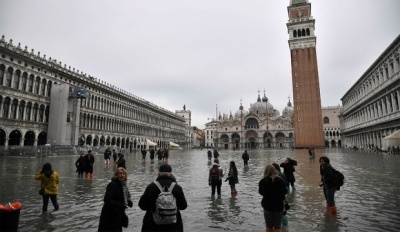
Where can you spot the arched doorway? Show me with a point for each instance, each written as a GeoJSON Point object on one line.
{"type": "Point", "coordinates": [280, 139]}
{"type": "Point", "coordinates": [225, 141]}
{"type": "Point", "coordinates": [29, 138]}
{"type": "Point", "coordinates": [267, 140]}
{"type": "Point", "coordinates": [236, 140]}
{"type": "Point", "coordinates": [89, 140]}
{"type": "Point", "coordinates": [2, 138]}
{"type": "Point", "coordinates": [42, 138]}
{"type": "Point", "coordinates": [15, 138]}
{"type": "Point", "coordinates": [251, 139]}
{"type": "Point", "coordinates": [96, 141]}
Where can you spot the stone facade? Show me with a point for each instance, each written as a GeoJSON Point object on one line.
{"type": "Point", "coordinates": [371, 108]}
{"type": "Point", "coordinates": [261, 126]}
{"type": "Point", "coordinates": [331, 124]}
{"type": "Point", "coordinates": [307, 118]}
{"type": "Point", "coordinates": [32, 114]}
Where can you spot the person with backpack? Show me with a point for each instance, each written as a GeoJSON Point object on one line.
{"type": "Point", "coordinates": [328, 183]}
{"type": "Point", "coordinates": [167, 218]}
{"type": "Point", "coordinates": [215, 178]}
{"type": "Point", "coordinates": [245, 157]}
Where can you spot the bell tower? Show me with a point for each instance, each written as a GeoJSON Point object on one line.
{"type": "Point", "coordinates": [307, 119]}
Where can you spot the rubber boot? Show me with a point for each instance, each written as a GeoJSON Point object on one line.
{"type": "Point", "coordinates": [86, 175]}
{"type": "Point", "coordinates": [232, 193]}
{"type": "Point", "coordinates": [333, 210]}
{"type": "Point", "coordinates": [270, 230]}
{"type": "Point", "coordinates": [278, 230]}
{"type": "Point", "coordinates": [91, 175]}
{"type": "Point", "coordinates": [235, 192]}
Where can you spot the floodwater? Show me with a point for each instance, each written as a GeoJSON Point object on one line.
{"type": "Point", "coordinates": [368, 201]}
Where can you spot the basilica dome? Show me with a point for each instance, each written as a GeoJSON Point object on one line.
{"type": "Point", "coordinates": [288, 111]}
{"type": "Point", "coordinates": [262, 107]}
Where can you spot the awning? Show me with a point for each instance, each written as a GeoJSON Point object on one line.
{"type": "Point", "coordinates": [150, 143]}
{"type": "Point", "coordinates": [171, 144]}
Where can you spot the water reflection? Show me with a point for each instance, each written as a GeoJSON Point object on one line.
{"type": "Point", "coordinates": [369, 200]}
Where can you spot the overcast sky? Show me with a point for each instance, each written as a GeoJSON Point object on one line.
{"type": "Point", "coordinates": [202, 53]}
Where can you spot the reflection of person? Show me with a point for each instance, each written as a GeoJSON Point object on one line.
{"type": "Point", "coordinates": [80, 166]}
{"type": "Point", "coordinates": [311, 153]}
{"type": "Point", "coordinates": [147, 201]}
{"type": "Point", "coordinates": [89, 160]}
{"type": "Point", "coordinates": [49, 182]}
{"type": "Point", "coordinates": [233, 177]}
{"type": "Point", "coordinates": [116, 199]}
{"type": "Point", "coordinates": [273, 190]}
{"type": "Point", "coordinates": [215, 178]}
{"type": "Point", "coordinates": [327, 182]}
{"type": "Point", "coordinates": [245, 157]}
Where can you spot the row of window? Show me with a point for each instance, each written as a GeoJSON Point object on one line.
{"type": "Point", "coordinates": [24, 81]}
{"type": "Point", "coordinates": [386, 105]}
{"type": "Point", "coordinates": [374, 80]}
{"type": "Point", "coordinates": [22, 110]}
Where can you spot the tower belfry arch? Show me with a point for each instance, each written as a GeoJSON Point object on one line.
{"type": "Point", "coordinates": [307, 119]}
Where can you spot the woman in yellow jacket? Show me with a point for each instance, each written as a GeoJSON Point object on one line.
{"type": "Point", "coordinates": [49, 183]}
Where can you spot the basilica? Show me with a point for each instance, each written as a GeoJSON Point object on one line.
{"type": "Point", "coordinates": [261, 126]}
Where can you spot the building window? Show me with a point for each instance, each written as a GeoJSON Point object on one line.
{"type": "Point", "coordinates": [326, 120]}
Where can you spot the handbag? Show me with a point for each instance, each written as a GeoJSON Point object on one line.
{"type": "Point", "coordinates": [41, 191]}
{"type": "Point", "coordinates": [286, 205]}
{"type": "Point", "coordinates": [125, 221]}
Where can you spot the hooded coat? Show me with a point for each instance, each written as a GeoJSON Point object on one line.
{"type": "Point", "coordinates": [147, 202]}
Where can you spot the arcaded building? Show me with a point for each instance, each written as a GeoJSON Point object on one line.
{"type": "Point", "coordinates": [261, 126]}
{"type": "Point", "coordinates": [371, 109]}
{"type": "Point", "coordinates": [307, 118]}
{"type": "Point", "coordinates": [43, 101]}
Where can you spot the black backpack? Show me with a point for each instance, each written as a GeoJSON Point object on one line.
{"type": "Point", "coordinates": [339, 179]}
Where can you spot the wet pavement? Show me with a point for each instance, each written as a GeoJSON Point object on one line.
{"type": "Point", "coordinates": [368, 201]}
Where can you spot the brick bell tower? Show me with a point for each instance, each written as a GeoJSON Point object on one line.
{"type": "Point", "coordinates": [307, 119]}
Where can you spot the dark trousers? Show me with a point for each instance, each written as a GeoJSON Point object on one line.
{"type": "Point", "coordinates": [53, 199]}
{"type": "Point", "coordinates": [218, 185]}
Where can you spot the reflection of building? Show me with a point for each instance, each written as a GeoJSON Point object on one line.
{"type": "Point", "coordinates": [307, 118]}
{"type": "Point", "coordinates": [260, 127]}
{"type": "Point", "coordinates": [37, 106]}
{"type": "Point", "coordinates": [331, 124]}
{"type": "Point", "coordinates": [371, 109]}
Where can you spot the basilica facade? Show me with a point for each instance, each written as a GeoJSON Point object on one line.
{"type": "Point", "coordinates": [261, 126]}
